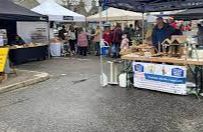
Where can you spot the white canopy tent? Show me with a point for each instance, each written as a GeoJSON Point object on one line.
{"type": "Point", "coordinates": [56, 12]}
{"type": "Point", "coordinates": [114, 14]}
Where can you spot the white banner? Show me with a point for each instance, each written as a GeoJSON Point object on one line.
{"type": "Point", "coordinates": [160, 77]}
{"type": "Point", "coordinates": [33, 31]}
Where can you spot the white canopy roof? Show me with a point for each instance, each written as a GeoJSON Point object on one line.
{"type": "Point", "coordinates": [115, 14]}
{"type": "Point", "coordinates": [57, 12]}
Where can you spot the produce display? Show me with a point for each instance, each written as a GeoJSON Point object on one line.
{"type": "Point", "coordinates": [142, 50]}
{"type": "Point", "coordinates": [176, 46]}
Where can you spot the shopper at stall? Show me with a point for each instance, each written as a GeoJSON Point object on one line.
{"type": "Point", "coordinates": [161, 32]}
{"type": "Point", "coordinates": [82, 41]}
{"type": "Point", "coordinates": [91, 47]}
{"type": "Point", "coordinates": [96, 40]}
{"type": "Point", "coordinates": [116, 40]}
{"type": "Point", "coordinates": [107, 34]}
{"type": "Point", "coordinates": [72, 39]}
{"type": "Point", "coordinates": [62, 33]}
{"type": "Point", "coordinates": [131, 31]}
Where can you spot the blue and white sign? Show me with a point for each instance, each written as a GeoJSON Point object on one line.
{"type": "Point", "coordinates": [160, 77]}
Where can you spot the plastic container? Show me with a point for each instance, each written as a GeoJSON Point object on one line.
{"type": "Point", "coordinates": [104, 50]}
{"type": "Point", "coordinates": [123, 80]}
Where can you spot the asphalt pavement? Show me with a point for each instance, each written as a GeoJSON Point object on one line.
{"type": "Point", "coordinates": [73, 101]}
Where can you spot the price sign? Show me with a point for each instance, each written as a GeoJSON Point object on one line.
{"type": "Point", "coordinates": [3, 58]}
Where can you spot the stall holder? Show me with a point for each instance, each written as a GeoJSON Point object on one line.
{"type": "Point", "coordinates": [171, 73]}
{"type": "Point", "coordinates": [25, 54]}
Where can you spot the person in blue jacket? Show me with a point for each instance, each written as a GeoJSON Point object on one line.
{"type": "Point", "coordinates": [161, 32]}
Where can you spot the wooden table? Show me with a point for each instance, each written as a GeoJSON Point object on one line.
{"type": "Point", "coordinates": [198, 72]}
{"type": "Point", "coordinates": [133, 57]}
{"type": "Point", "coordinates": [22, 55]}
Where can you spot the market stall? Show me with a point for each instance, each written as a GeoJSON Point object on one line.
{"type": "Point", "coordinates": [22, 54]}
{"type": "Point", "coordinates": [115, 14]}
{"type": "Point", "coordinates": [10, 14]}
{"type": "Point", "coordinates": [168, 69]}
{"type": "Point", "coordinates": [57, 13]}
{"type": "Point", "coordinates": [164, 67]}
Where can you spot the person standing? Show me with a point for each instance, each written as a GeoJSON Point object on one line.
{"type": "Point", "coordinates": [96, 40]}
{"type": "Point", "coordinates": [161, 32]}
{"type": "Point", "coordinates": [82, 42]}
{"type": "Point", "coordinates": [62, 33]}
{"type": "Point", "coordinates": [72, 39]}
{"type": "Point", "coordinates": [137, 29]}
{"type": "Point", "coordinates": [131, 34]}
{"type": "Point", "coordinates": [107, 35]}
{"type": "Point", "coordinates": [131, 30]}
{"type": "Point", "coordinates": [116, 40]}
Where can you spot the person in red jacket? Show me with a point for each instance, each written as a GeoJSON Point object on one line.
{"type": "Point", "coordinates": [107, 35]}
{"type": "Point", "coordinates": [116, 40]}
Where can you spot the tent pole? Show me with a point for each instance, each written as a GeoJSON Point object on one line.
{"type": "Point", "coordinates": [107, 15]}
{"type": "Point", "coordinates": [143, 28]}
{"type": "Point", "coordinates": [49, 37]}
{"type": "Point", "coordinates": [101, 57]}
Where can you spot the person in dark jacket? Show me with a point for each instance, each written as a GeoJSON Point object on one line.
{"type": "Point", "coordinates": [161, 32]}
{"type": "Point", "coordinates": [62, 33]}
{"type": "Point", "coordinates": [116, 40]}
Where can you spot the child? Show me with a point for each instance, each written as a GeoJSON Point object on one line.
{"type": "Point", "coordinates": [124, 43]}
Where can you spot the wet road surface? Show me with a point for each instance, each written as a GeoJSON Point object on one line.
{"type": "Point", "coordinates": [73, 101]}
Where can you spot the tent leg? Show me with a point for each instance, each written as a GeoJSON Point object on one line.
{"type": "Point", "coordinates": [101, 57]}
{"type": "Point", "coordinates": [48, 28]}
{"type": "Point", "coordinates": [107, 15]}
{"type": "Point", "coordinates": [143, 28]}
